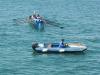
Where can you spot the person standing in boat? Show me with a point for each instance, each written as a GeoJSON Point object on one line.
{"type": "Point", "coordinates": [62, 44]}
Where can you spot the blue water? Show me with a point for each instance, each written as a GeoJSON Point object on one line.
{"type": "Point", "coordinates": [81, 22]}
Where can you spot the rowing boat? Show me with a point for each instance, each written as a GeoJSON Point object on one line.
{"type": "Point", "coordinates": [37, 22]}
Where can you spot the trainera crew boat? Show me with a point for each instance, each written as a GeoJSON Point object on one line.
{"type": "Point", "coordinates": [36, 21]}
{"type": "Point", "coordinates": [54, 48]}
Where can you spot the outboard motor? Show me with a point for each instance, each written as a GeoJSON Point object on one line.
{"type": "Point", "coordinates": [34, 45]}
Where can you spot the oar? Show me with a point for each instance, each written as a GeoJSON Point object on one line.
{"type": "Point", "coordinates": [21, 20]}
{"type": "Point", "coordinates": [53, 23]}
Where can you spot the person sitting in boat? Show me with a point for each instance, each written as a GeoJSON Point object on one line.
{"type": "Point", "coordinates": [38, 21]}
{"type": "Point", "coordinates": [30, 18]}
{"type": "Point", "coordinates": [38, 17]}
{"type": "Point", "coordinates": [62, 44]}
{"type": "Point", "coordinates": [33, 17]}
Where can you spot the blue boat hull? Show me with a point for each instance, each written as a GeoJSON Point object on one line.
{"type": "Point", "coordinates": [38, 26]}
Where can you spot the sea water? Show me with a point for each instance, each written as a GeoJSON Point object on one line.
{"type": "Point", "coordinates": [80, 20]}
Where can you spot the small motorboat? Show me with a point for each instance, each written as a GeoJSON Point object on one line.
{"type": "Point", "coordinates": [36, 21]}
{"type": "Point", "coordinates": [54, 48]}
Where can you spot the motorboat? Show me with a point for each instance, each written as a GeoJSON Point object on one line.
{"type": "Point", "coordinates": [54, 48]}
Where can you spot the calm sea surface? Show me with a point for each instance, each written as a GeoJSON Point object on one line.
{"type": "Point", "coordinates": [81, 22]}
